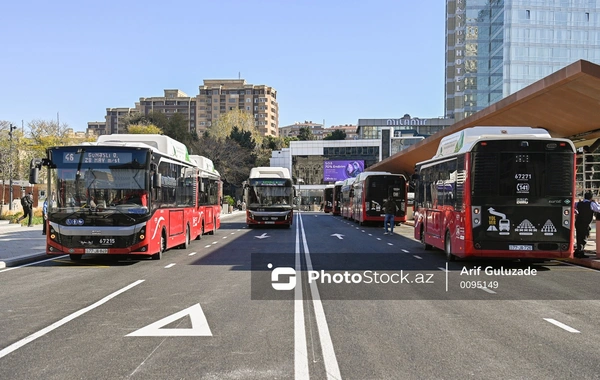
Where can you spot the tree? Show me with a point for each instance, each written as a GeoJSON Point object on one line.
{"type": "Point", "coordinates": [305, 134]}
{"type": "Point", "coordinates": [144, 129]}
{"type": "Point", "coordinates": [178, 128]}
{"type": "Point", "coordinates": [338, 134]}
{"type": "Point", "coordinates": [244, 138]}
{"type": "Point", "coordinates": [222, 127]}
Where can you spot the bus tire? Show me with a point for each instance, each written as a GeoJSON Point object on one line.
{"type": "Point", "coordinates": [186, 244]}
{"type": "Point", "coordinates": [163, 243]}
{"type": "Point", "coordinates": [448, 248]}
{"type": "Point", "coordinates": [425, 245]}
{"type": "Point", "coordinates": [199, 237]}
{"type": "Point", "coordinates": [214, 230]}
{"type": "Point", "coordinates": [74, 257]}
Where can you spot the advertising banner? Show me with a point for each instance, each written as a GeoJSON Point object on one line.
{"type": "Point", "coordinates": [340, 170]}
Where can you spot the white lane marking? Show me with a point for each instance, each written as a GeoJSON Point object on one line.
{"type": "Point", "coordinates": [224, 237]}
{"type": "Point", "coordinates": [331, 365]}
{"type": "Point", "coordinates": [170, 266]}
{"type": "Point", "coordinates": [417, 257]}
{"type": "Point", "coordinates": [207, 246]}
{"type": "Point", "coordinates": [199, 327]}
{"type": "Point", "coordinates": [300, 346]}
{"type": "Point", "coordinates": [405, 251]}
{"type": "Point", "coordinates": [37, 262]}
{"type": "Point", "coordinates": [238, 230]}
{"type": "Point", "coordinates": [488, 290]}
{"type": "Point", "coordinates": [193, 253]}
{"type": "Point", "coordinates": [554, 322]}
{"type": "Point", "coordinates": [442, 269]}
{"type": "Point", "coordinates": [55, 325]}
{"type": "Point", "coordinates": [214, 242]}
{"type": "Point", "coordinates": [233, 233]}
{"type": "Point", "coordinates": [370, 234]}
{"type": "Point", "coordinates": [362, 230]}
{"type": "Point", "coordinates": [389, 244]}
{"type": "Point", "coordinates": [378, 238]}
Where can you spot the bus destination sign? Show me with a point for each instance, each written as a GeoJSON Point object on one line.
{"type": "Point", "coordinates": [97, 157]}
{"type": "Point", "coordinates": [268, 182]}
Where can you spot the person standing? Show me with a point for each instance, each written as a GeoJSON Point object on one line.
{"type": "Point", "coordinates": [584, 210]}
{"type": "Point", "coordinates": [45, 215]}
{"type": "Point", "coordinates": [27, 203]}
{"type": "Point", "coordinates": [389, 208]}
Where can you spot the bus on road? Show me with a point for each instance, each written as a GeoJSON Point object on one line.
{"type": "Point", "coordinates": [122, 195]}
{"type": "Point", "coordinates": [337, 198]}
{"type": "Point", "coordinates": [497, 192]}
{"type": "Point", "coordinates": [370, 190]}
{"type": "Point", "coordinates": [347, 198]}
{"type": "Point", "coordinates": [269, 197]}
{"type": "Point", "coordinates": [328, 199]}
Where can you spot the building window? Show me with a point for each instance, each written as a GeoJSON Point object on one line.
{"type": "Point", "coordinates": [528, 14]}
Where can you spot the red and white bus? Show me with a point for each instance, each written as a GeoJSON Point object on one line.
{"type": "Point", "coordinates": [497, 192]}
{"type": "Point", "coordinates": [126, 195]}
{"type": "Point", "coordinates": [337, 198]}
{"type": "Point", "coordinates": [347, 198]}
{"type": "Point", "coordinates": [370, 190]}
{"type": "Point", "coordinates": [328, 199]}
{"type": "Point", "coordinates": [269, 196]}
{"type": "Point", "coordinates": [210, 195]}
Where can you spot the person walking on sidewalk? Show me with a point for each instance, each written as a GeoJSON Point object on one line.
{"type": "Point", "coordinates": [45, 216]}
{"type": "Point", "coordinates": [389, 208]}
{"type": "Point", "coordinates": [27, 203]}
{"type": "Point", "coordinates": [584, 213]}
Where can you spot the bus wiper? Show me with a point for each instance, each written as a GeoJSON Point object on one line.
{"type": "Point", "coordinates": [121, 212]}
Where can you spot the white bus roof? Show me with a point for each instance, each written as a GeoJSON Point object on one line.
{"type": "Point", "coordinates": [161, 143]}
{"type": "Point", "coordinates": [329, 186]}
{"type": "Point", "coordinates": [204, 163]}
{"type": "Point", "coordinates": [464, 140]}
{"type": "Point", "coordinates": [338, 183]}
{"type": "Point", "coordinates": [270, 172]}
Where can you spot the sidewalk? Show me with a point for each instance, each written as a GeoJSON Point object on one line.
{"type": "Point", "coordinates": [22, 245]}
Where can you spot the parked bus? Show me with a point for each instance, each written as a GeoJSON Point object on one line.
{"type": "Point", "coordinates": [328, 199]}
{"type": "Point", "coordinates": [122, 195]}
{"type": "Point", "coordinates": [347, 198]}
{"type": "Point", "coordinates": [498, 192]}
{"type": "Point", "coordinates": [269, 197]}
{"type": "Point", "coordinates": [370, 190]}
{"type": "Point", "coordinates": [337, 198]}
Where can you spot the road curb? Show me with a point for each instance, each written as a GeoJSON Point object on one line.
{"type": "Point", "coordinates": [16, 261]}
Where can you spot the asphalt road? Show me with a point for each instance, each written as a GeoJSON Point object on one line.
{"type": "Point", "coordinates": [212, 311]}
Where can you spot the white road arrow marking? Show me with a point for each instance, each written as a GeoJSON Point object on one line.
{"type": "Point", "coordinates": [339, 236]}
{"type": "Point", "coordinates": [199, 325]}
{"type": "Point", "coordinates": [264, 235]}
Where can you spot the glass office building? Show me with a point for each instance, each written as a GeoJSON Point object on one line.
{"type": "Point", "coordinates": [497, 47]}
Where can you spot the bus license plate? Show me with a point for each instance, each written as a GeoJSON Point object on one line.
{"type": "Point", "coordinates": [269, 222]}
{"type": "Point", "coordinates": [520, 247]}
{"type": "Point", "coordinates": [96, 250]}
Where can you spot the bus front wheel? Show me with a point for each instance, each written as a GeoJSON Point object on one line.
{"type": "Point", "coordinates": [448, 248]}
{"type": "Point", "coordinates": [163, 243]}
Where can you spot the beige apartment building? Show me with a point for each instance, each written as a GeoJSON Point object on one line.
{"type": "Point", "coordinates": [293, 130]}
{"type": "Point", "coordinates": [350, 130]}
{"type": "Point", "coordinates": [218, 96]}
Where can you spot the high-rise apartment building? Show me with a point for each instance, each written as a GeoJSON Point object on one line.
{"type": "Point", "coordinates": [495, 48]}
{"type": "Point", "coordinates": [174, 101]}
{"type": "Point", "coordinates": [217, 96]}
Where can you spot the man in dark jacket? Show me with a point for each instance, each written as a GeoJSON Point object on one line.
{"type": "Point", "coordinates": [389, 208]}
{"type": "Point", "coordinates": [585, 210]}
{"type": "Point", "coordinates": [27, 203]}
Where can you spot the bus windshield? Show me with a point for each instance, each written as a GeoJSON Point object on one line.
{"type": "Point", "coordinates": [99, 179]}
{"type": "Point", "coordinates": [270, 195]}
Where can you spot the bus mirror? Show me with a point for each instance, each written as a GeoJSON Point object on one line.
{"type": "Point", "coordinates": [34, 174]}
{"type": "Point", "coordinates": [156, 180]}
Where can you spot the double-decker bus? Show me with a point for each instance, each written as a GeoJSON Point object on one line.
{"type": "Point", "coordinates": [328, 199]}
{"type": "Point", "coordinates": [269, 196]}
{"type": "Point", "coordinates": [122, 195]}
{"type": "Point", "coordinates": [497, 192]}
{"type": "Point", "coordinates": [347, 198]}
{"type": "Point", "coordinates": [370, 190]}
{"type": "Point", "coordinates": [337, 198]}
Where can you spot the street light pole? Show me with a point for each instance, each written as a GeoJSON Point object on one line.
{"type": "Point", "coordinates": [10, 166]}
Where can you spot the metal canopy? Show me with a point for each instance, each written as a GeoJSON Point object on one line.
{"type": "Point", "coordinates": [566, 103]}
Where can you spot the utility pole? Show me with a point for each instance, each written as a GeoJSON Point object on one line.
{"type": "Point", "coordinates": [10, 165]}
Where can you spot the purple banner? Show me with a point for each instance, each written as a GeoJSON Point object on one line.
{"type": "Point", "coordinates": [340, 170]}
